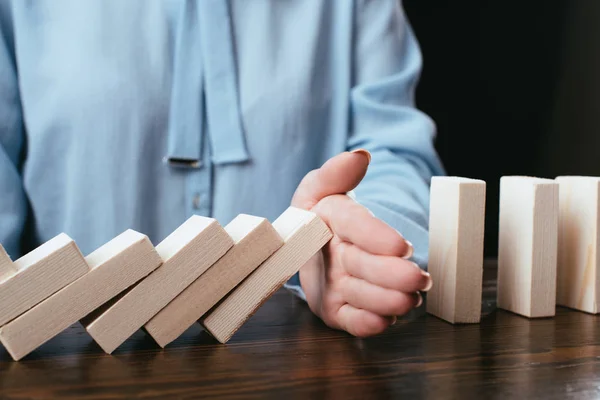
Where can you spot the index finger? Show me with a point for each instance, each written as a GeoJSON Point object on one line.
{"type": "Point", "coordinates": [353, 223]}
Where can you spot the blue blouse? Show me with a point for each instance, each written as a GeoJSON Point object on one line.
{"type": "Point", "coordinates": [138, 114]}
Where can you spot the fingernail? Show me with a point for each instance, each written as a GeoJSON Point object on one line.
{"type": "Point", "coordinates": [429, 281]}
{"type": "Point", "coordinates": [410, 251]}
{"type": "Point", "coordinates": [363, 151]}
{"type": "Point", "coordinates": [394, 320]}
{"type": "Point", "coordinates": [420, 301]}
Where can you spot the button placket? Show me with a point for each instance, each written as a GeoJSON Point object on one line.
{"type": "Point", "coordinates": [199, 185]}
{"type": "Point", "coordinates": [196, 201]}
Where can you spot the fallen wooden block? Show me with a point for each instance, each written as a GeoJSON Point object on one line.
{"type": "Point", "coordinates": [456, 232]}
{"type": "Point", "coordinates": [527, 246]}
{"type": "Point", "coordinates": [115, 266]}
{"type": "Point", "coordinates": [186, 254]}
{"type": "Point", "coordinates": [7, 268]}
{"type": "Point", "coordinates": [578, 278]}
{"type": "Point", "coordinates": [304, 234]}
{"type": "Point", "coordinates": [40, 273]}
{"type": "Point", "coordinates": [255, 240]}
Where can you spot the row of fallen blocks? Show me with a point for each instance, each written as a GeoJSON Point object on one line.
{"type": "Point", "coordinates": [202, 272]}
{"type": "Point", "coordinates": [548, 241]}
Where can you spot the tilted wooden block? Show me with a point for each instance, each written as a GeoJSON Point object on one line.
{"type": "Point", "coordinates": [304, 234]}
{"type": "Point", "coordinates": [115, 266]}
{"type": "Point", "coordinates": [578, 279]}
{"type": "Point", "coordinates": [527, 246]}
{"type": "Point", "coordinates": [7, 268]}
{"type": "Point", "coordinates": [255, 240]}
{"type": "Point", "coordinates": [456, 232]}
{"type": "Point", "coordinates": [40, 273]}
{"type": "Point", "coordinates": [186, 254]}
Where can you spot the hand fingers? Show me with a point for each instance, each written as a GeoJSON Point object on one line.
{"type": "Point", "coordinates": [362, 323]}
{"type": "Point", "coordinates": [381, 301]}
{"type": "Point", "coordinates": [384, 271]}
{"type": "Point", "coordinates": [355, 224]}
{"type": "Point", "coordinates": [338, 175]}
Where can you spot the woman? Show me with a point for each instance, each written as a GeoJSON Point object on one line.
{"type": "Point", "coordinates": [137, 114]}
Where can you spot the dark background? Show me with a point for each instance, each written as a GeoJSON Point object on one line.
{"type": "Point", "coordinates": [514, 87]}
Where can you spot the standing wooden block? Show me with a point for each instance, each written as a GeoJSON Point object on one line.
{"type": "Point", "coordinates": [578, 280]}
{"type": "Point", "coordinates": [7, 268]}
{"type": "Point", "coordinates": [456, 232]}
{"type": "Point", "coordinates": [255, 240]}
{"type": "Point", "coordinates": [527, 248]}
{"type": "Point", "coordinates": [40, 273]}
{"type": "Point", "coordinates": [304, 234]}
{"type": "Point", "coordinates": [186, 254]}
{"type": "Point", "coordinates": [115, 266]}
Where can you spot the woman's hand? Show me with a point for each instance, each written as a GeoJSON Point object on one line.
{"type": "Point", "coordinates": [361, 281]}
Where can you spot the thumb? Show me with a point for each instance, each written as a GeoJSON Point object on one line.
{"type": "Point", "coordinates": [340, 174]}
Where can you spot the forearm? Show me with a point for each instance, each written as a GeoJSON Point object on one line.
{"type": "Point", "coordinates": [386, 122]}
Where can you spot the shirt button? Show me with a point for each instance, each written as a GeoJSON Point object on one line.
{"type": "Point", "coordinates": [196, 201]}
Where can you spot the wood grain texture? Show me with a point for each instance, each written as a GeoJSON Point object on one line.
{"type": "Point", "coordinates": [284, 351]}
{"type": "Point", "coordinates": [456, 233]}
{"type": "Point", "coordinates": [186, 253]}
{"type": "Point", "coordinates": [115, 266]}
{"type": "Point", "coordinates": [7, 268]}
{"type": "Point", "coordinates": [255, 240]}
{"type": "Point", "coordinates": [304, 234]}
{"type": "Point", "coordinates": [528, 246]}
{"type": "Point", "coordinates": [40, 274]}
{"type": "Point", "coordinates": [578, 240]}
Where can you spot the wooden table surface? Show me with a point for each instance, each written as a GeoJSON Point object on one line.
{"type": "Point", "coordinates": [285, 352]}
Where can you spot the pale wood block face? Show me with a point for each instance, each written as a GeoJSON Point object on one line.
{"type": "Point", "coordinates": [456, 231]}
{"type": "Point", "coordinates": [515, 242]}
{"type": "Point", "coordinates": [255, 240]}
{"type": "Point", "coordinates": [115, 266]}
{"type": "Point", "coordinates": [443, 240]}
{"type": "Point", "coordinates": [304, 234]}
{"type": "Point", "coordinates": [469, 275]}
{"type": "Point", "coordinates": [40, 273]}
{"type": "Point", "coordinates": [7, 268]}
{"type": "Point", "coordinates": [577, 274]}
{"type": "Point", "coordinates": [186, 254]}
{"type": "Point", "coordinates": [545, 251]}
{"type": "Point", "coordinates": [527, 245]}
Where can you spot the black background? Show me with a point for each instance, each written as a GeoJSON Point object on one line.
{"type": "Point", "coordinates": [511, 86]}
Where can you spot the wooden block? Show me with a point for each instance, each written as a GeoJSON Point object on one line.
{"type": "Point", "coordinates": [7, 267]}
{"type": "Point", "coordinates": [304, 234]}
{"type": "Point", "coordinates": [255, 240]}
{"type": "Point", "coordinates": [578, 281]}
{"type": "Point", "coordinates": [527, 246]}
{"type": "Point", "coordinates": [115, 266]}
{"type": "Point", "coordinates": [40, 273]}
{"type": "Point", "coordinates": [186, 253]}
{"type": "Point", "coordinates": [456, 232]}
